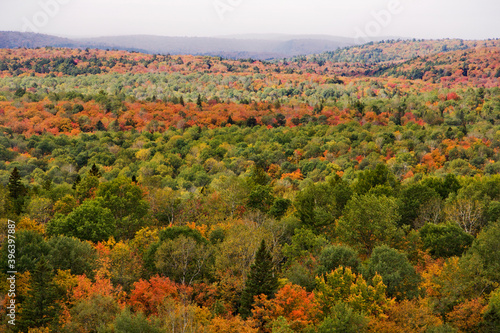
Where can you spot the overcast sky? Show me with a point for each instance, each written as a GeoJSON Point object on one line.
{"type": "Point", "coordinates": [466, 19]}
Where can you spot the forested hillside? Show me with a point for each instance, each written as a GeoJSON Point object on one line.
{"type": "Point", "coordinates": [351, 191]}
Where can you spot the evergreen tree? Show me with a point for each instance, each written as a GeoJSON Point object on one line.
{"type": "Point", "coordinates": [261, 280]}
{"type": "Point", "coordinates": [94, 171]}
{"type": "Point", "coordinates": [198, 102]}
{"type": "Point", "coordinates": [40, 308]}
{"type": "Point", "coordinates": [181, 101]}
{"type": "Point", "coordinates": [17, 191]}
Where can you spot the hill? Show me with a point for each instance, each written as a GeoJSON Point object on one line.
{"type": "Point", "coordinates": [258, 47]}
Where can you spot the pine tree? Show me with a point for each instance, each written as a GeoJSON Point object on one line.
{"type": "Point", "coordinates": [17, 191]}
{"type": "Point", "coordinates": [261, 280]}
{"type": "Point", "coordinates": [40, 308]}
{"type": "Point", "coordinates": [181, 101]}
{"type": "Point", "coordinates": [198, 102]}
{"type": "Point", "coordinates": [94, 171]}
{"type": "Point", "coordinates": [16, 188]}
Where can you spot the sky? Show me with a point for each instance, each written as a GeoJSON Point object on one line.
{"type": "Point", "coordinates": [465, 19]}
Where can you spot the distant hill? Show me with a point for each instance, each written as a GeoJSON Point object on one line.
{"type": "Point", "coordinates": [13, 39]}
{"type": "Point", "coordinates": [245, 46]}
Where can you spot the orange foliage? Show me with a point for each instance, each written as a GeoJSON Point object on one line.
{"type": "Point", "coordinates": [147, 296]}
{"type": "Point", "coordinates": [291, 302]}
{"type": "Point", "coordinates": [468, 315]}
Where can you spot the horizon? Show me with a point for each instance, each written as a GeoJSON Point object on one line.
{"type": "Point", "coordinates": [409, 19]}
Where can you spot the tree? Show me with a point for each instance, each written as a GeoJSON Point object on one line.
{"type": "Point", "coordinates": [334, 256]}
{"type": "Point", "coordinates": [319, 205]}
{"type": "Point", "coordinates": [445, 240]}
{"type": "Point", "coordinates": [199, 104]}
{"type": "Point", "coordinates": [30, 247]}
{"type": "Point", "coordinates": [411, 199]}
{"type": "Point", "coordinates": [291, 302]}
{"type": "Point", "coordinates": [466, 213]}
{"type": "Point", "coordinates": [67, 253]}
{"type": "Point", "coordinates": [396, 271]}
{"type": "Point", "coordinates": [343, 286]}
{"type": "Point", "coordinates": [94, 171]}
{"type": "Point", "coordinates": [261, 280]}
{"type": "Point", "coordinates": [89, 221]}
{"type": "Point", "coordinates": [93, 314]}
{"type": "Point", "coordinates": [343, 319]}
{"type": "Point", "coordinates": [126, 202]}
{"type": "Point", "coordinates": [379, 176]}
{"type": "Point", "coordinates": [368, 221]}
{"type": "Point", "coordinates": [40, 307]}
{"type": "Point", "coordinates": [127, 322]}
{"type": "Point", "coordinates": [17, 191]}
{"type": "Point", "coordinates": [182, 259]}
{"type": "Point", "coordinates": [491, 316]}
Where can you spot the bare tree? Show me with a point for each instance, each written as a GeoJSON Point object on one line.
{"type": "Point", "coordinates": [467, 213]}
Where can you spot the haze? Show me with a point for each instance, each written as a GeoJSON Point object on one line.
{"type": "Point", "coordinates": [409, 18]}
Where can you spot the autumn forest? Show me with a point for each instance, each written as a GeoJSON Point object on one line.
{"type": "Point", "coordinates": [356, 190]}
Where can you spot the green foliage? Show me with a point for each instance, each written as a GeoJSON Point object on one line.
{"type": "Point", "coordinates": [304, 243]}
{"type": "Point", "coordinates": [492, 314]}
{"type": "Point", "coordinates": [445, 240]}
{"type": "Point", "coordinates": [343, 319]}
{"type": "Point", "coordinates": [397, 273]}
{"type": "Point", "coordinates": [95, 313]}
{"type": "Point", "coordinates": [334, 256]}
{"type": "Point", "coordinates": [73, 254]}
{"type": "Point", "coordinates": [482, 261]}
{"type": "Point", "coordinates": [40, 307]}
{"type": "Point", "coordinates": [379, 176]}
{"type": "Point", "coordinates": [411, 199]}
{"type": "Point", "coordinates": [261, 279]}
{"type": "Point", "coordinates": [127, 322]}
{"type": "Point", "coordinates": [17, 191]}
{"type": "Point", "coordinates": [125, 201]}
{"type": "Point", "coordinates": [320, 204]}
{"type": "Point", "coordinates": [30, 247]}
{"type": "Point", "coordinates": [368, 221]}
{"type": "Point", "coordinates": [89, 221]}
{"type": "Point", "coordinates": [279, 208]}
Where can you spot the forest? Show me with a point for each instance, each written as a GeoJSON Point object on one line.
{"type": "Point", "coordinates": [352, 191]}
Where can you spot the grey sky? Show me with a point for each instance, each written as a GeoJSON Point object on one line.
{"type": "Point", "coordinates": [409, 18]}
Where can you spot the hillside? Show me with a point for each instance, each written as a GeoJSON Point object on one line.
{"type": "Point", "coordinates": [195, 193]}
{"type": "Point", "coordinates": [258, 47]}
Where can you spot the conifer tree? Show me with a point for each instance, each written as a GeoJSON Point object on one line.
{"type": "Point", "coordinates": [94, 171]}
{"type": "Point", "coordinates": [261, 280]}
{"type": "Point", "coordinates": [17, 191]}
{"type": "Point", "coordinates": [40, 309]}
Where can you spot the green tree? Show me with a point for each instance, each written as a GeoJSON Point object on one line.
{"type": "Point", "coordinates": [491, 317]}
{"type": "Point", "coordinates": [127, 322]}
{"type": "Point", "coordinates": [261, 280]}
{"type": "Point", "coordinates": [445, 240]}
{"type": "Point", "coordinates": [30, 246]}
{"type": "Point", "coordinates": [40, 307]}
{"type": "Point", "coordinates": [411, 198]}
{"type": "Point", "coordinates": [73, 254]}
{"type": "Point", "coordinates": [379, 176]}
{"type": "Point", "coordinates": [334, 256]}
{"type": "Point", "coordinates": [94, 171]}
{"type": "Point", "coordinates": [89, 221]}
{"type": "Point", "coordinates": [17, 191]}
{"type": "Point", "coordinates": [368, 221]}
{"type": "Point", "coordinates": [318, 205]}
{"type": "Point", "coordinates": [126, 202]}
{"type": "Point", "coordinates": [343, 319]}
{"type": "Point", "coordinates": [397, 273]}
